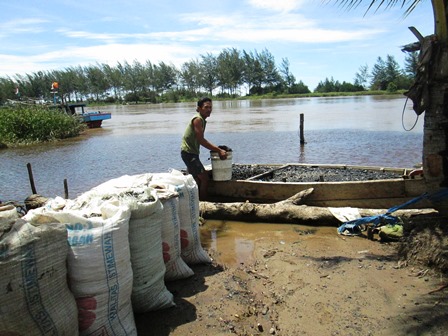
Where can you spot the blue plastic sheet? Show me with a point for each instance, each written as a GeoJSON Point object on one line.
{"type": "Point", "coordinates": [353, 227]}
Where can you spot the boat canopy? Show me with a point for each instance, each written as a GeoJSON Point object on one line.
{"type": "Point", "coordinates": [72, 107]}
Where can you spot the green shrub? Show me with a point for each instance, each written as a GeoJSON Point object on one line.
{"type": "Point", "coordinates": [31, 124]}
{"type": "Point", "coordinates": [392, 87]}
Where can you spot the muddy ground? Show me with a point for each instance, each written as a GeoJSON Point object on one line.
{"type": "Point", "coordinates": [312, 281]}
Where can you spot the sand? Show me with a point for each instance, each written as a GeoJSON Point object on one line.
{"type": "Point", "coordinates": [308, 282]}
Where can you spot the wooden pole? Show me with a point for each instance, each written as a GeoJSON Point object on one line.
{"type": "Point", "coordinates": [30, 175]}
{"type": "Point", "coordinates": [302, 138]}
{"type": "Point", "coordinates": [65, 189]}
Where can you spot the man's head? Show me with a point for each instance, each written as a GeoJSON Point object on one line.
{"type": "Point", "coordinates": [203, 100]}
{"type": "Point", "coordinates": [205, 107]}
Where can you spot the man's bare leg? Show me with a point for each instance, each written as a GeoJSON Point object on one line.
{"type": "Point", "coordinates": [203, 186]}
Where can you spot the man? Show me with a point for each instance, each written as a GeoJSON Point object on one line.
{"type": "Point", "coordinates": [194, 138]}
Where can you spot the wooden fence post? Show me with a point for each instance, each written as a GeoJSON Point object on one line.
{"type": "Point", "coordinates": [65, 189]}
{"type": "Point", "coordinates": [302, 138]}
{"type": "Point", "coordinates": [30, 175]}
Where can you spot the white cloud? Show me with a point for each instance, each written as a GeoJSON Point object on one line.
{"type": "Point", "coordinates": [243, 21]}
{"type": "Point", "coordinates": [280, 27]}
{"type": "Point", "coordinates": [21, 26]}
{"type": "Point", "coordinates": [277, 5]}
{"type": "Point", "coordinates": [293, 35]}
{"type": "Point", "coordinates": [113, 53]}
{"type": "Point", "coordinates": [83, 56]}
{"type": "Point", "coordinates": [91, 36]}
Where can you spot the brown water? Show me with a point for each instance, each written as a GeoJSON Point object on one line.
{"type": "Point", "coordinates": [146, 138]}
{"type": "Point", "coordinates": [233, 243]}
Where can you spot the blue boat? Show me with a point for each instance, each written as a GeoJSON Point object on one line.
{"type": "Point", "coordinates": [93, 119]}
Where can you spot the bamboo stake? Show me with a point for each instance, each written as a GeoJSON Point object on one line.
{"type": "Point", "coordinates": [30, 175]}
{"type": "Point", "coordinates": [302, 137]}
{"type": "Point", "coordinates": [65, 189]}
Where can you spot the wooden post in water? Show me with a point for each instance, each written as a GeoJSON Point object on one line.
{"type": "Point", "coordinates": [30, 176]}
{"type": "Point", "coordinates": [302, 138]}
{"type": "Point", "coordinates": [65, 189]}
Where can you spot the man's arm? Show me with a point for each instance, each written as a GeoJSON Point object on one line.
{"type": "Point", "coordinates": [199, 133]}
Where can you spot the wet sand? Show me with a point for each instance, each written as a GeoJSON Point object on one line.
{"type": "Point", "coordinates": [296, 280]}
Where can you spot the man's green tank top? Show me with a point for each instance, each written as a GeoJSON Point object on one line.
{"type": "Point", "coordinates": [189, 142]}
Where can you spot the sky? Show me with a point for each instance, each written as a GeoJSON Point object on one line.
{"type": "Point", "coordinates": [319, 38]}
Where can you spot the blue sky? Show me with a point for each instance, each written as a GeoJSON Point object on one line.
{"type": "Point", "coordinates": [320, 40]}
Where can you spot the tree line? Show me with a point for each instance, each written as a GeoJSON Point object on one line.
{"type": "Point", "coordinates": [386, 75]}
{"type": "Point", "coordinates": [230, 74]}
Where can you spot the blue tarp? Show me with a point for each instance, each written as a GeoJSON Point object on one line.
{"type": "Point", "coordinates": [352, 227]}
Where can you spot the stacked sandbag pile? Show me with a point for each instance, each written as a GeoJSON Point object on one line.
{"type": "Point", "coordinates": [99, 268]}
{"type": "Point", "coordinates": [145, 237]}
{"type": "Point", "coordinates": [176, 268]}
{"type": "Point", "coordinates": [126, 237]}
{"type": "Point", "coordinates": [35, 297]}
{"type": "Point", "coordinates": [191, 248]}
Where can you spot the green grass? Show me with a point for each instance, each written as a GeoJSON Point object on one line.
{"type": "Point", "coordinates": [22, 125]}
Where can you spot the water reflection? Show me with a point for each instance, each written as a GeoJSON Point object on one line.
{"type": "Point", "coordinates": [233, 243]}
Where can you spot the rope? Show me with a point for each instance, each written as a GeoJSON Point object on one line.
{"type": "Point", "coordinates": [402, 117]}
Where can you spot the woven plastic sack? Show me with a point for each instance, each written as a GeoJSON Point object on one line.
{"type": "Point", "coordinates": [99, 267]}
{"type": "Point", "coordinates": [145, 237]}
{"type": "Point", "coordinates": [191, 248]}
{"type": "Point", "coordinates": [176, 268]}
{"type": "Point", "coordinates": [8, 214]}
{"type": "Point", "coordinates": [121, 185]}
{"type": "Point", "coordinates": [35, 297]}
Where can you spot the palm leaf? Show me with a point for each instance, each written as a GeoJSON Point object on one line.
{"type": "Point", "coordinates": [351, 4]}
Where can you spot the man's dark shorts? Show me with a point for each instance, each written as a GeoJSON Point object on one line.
{"type": "Point", "coordinates": [194, 165]}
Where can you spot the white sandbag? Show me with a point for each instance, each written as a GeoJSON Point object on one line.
{"type": "Point", "coordinates": [99, 267]}
{"type": "Point", "coordinates": [176, 268]}
{"type": "Point", "coordinates": [8, 214]}
{"type": "Point", "coordinates": [35, 297]}
{"type": "Point", "coordinates": [120, 185]}
{"type": "Point", "coordinates": [191, 248]}
{"type": "Point", "coordinates": [145, 238]}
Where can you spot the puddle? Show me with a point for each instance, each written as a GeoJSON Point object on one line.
{"type": "Point", "coordinates": [232, 243]}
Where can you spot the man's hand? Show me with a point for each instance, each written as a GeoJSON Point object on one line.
{"type": "Point", "coordinates": [222, 154]}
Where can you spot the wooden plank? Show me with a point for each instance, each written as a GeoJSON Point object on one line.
{"type": "Point", "coordinates": [379, 193]}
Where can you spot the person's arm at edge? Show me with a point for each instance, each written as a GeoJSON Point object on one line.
{"type": "Point", "coordinates": [199, 132]}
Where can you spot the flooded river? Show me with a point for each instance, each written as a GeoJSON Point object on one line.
{"type": "Point", "coordinates": [146, 138]}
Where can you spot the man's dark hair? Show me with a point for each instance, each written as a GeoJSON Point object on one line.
{"type": "Point", "coordinates": [203, 100]}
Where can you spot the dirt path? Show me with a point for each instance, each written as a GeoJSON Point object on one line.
{"type": "Point", "coordinates": [306, 284]}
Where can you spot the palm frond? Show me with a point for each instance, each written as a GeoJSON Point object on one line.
{"type": "Point", "coordinates": [409, 5]}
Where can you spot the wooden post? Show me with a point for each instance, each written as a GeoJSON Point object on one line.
{"type": "Point", "coordinates": [30, 175]}
{"type": "Point", "coordinates": [302, 138]}
{"type": "Point", "coordinates": [65, 189]}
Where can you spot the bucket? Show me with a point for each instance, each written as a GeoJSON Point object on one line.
{"type": "Point", "coordinates": [221, 169]}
